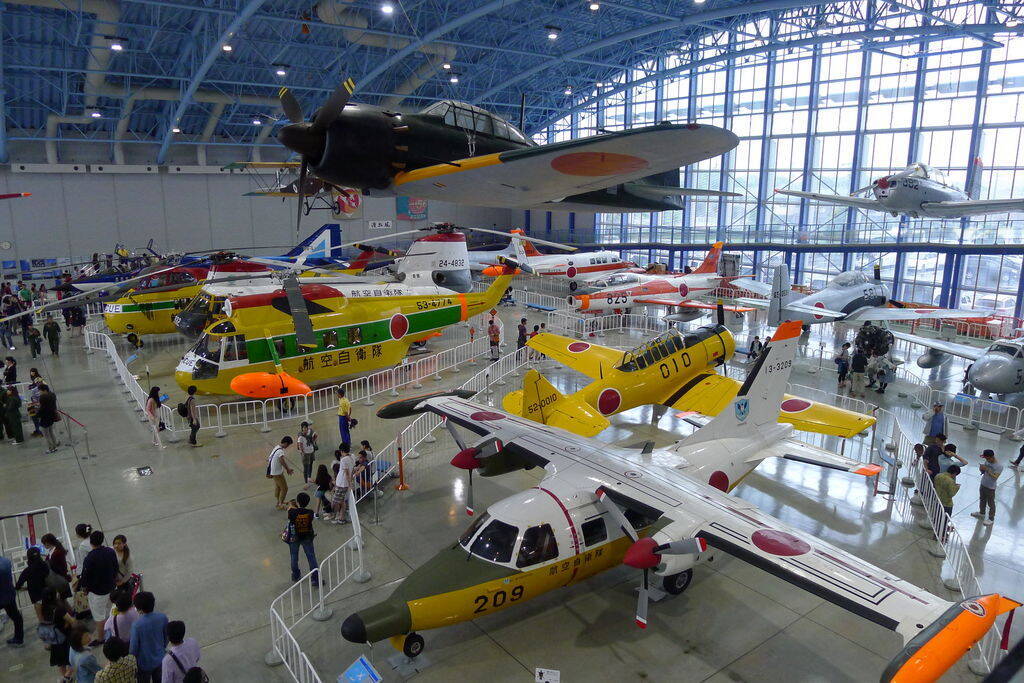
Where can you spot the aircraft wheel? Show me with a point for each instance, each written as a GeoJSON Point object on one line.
{"type": "Point", "coordinates": [677, 583]}
{"type": "Point", "coordinates": [573, 286]}
{"type": "Point", "coordinates": [413, 645]}
{"type": "Point", "coordinates": [805, 328]}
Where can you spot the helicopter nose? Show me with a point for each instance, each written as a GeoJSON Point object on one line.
{"type": "Point", "coordinates": [353, 629]}
{"type": "Point", "coordinates": [993, 374]}
{"type": "Point", "coordinates": [303, 139]}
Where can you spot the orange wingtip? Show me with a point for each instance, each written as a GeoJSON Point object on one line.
{"type": "Point", "coordinates": [868, 470]}
{"type": "Point", "coordinates": [788, 330]}
{"type": "Point", "coordinates": [683, 414]}
{"type": "Point", "coordinates": [718, 245]}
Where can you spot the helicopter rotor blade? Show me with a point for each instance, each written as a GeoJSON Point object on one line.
{"type": "Point", "coordinates": [304, 335]}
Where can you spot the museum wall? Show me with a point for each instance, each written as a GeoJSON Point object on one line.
{"type": "Point", "coordinates": [75, 214]}
{"type": "Point", "coordinates": [583, 231]}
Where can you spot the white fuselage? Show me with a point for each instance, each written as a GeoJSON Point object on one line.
{"type": "Point", "coordinates": [905, 193]}
{"type": "Point", "coordinates": [834, 297]}
{"type": "Point", "coordinates": [622, 290]}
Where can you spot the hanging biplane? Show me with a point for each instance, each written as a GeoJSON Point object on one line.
{"type": "Point", "coordinates": [315, 194]}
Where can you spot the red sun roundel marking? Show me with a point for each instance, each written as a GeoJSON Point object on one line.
{"type": "Point", "coordinates": [794, 405]}
{"type": "Point", "coordinates": [683, 289]}
{"type": "Point", "coordinates": [485, 415]}
{"type": "Point", "coordinates": [399, 326]}
{"type": "Point", "coordinates": [570, 271]}
{"type": "Point", "coordinates": [720, 480]}
{"type": "Point", "coordinates": [609, 401]}
{"type": "Point", "coordinates": [780, 543]}
{"type": "Point", "coordinates": [819, 305]}
{"type": "Point", "coordinates": [578, 347]}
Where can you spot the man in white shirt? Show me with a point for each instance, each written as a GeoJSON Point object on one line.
{"type": "Point", "coordinates": [182, 654]}
{"type": "Point", "coordinates": [342, 483]}
{"type": "Point", "coordinates": [276, 467]}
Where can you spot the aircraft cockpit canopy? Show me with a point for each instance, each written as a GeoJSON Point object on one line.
{"type": "Point", "coordinates": [1009, 349]}
{"type": "Point", "coordinates": [468, 117]}
{"type": "Point", "coordinates": [928, 173]}
{"type": "Point", "coordinates": [850, 278]}
{"type": "Point", "coordinates": [493, 540]}
{"type": "Point", "coordinates": [620, 280]}
{"type": "Point", "coordinates": [663, 346]}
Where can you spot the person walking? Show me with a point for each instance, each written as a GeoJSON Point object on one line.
{"type": "Point", "coordinates": [342, 483]}
{"type": "Point", "coordinates": [193, 416]}
{"type": "Point", "coordinates": [301, 519]}
{"type": "Point", "coordinates": [307, 449]}
{"type": "Point", "coordinates": [990, 471]}
{"type": "Point", "coordinates": [344, 417]}
{"type": "Point", "coordinates": [35, 340]}
{"type": "Point", "coordinates": [153, 414]}
{"type": "Point", "coordinates": [945, 488]}
{"type": "Point", "coordinates": [521, 330]}
{"type": "Point", "coordinates": [148, 638]}
{"type": "Point", "coordinates": [494, 340]}
{"type": "Point", "coordinates": [6, 340]}
{"type": "Point", "coordinates": [10, 370]}
{"type": "Point", "coordinates": [842, 361]}
{"type": "Point", "coordinates": [324, 482]}
{"type": "Point", "coordinates": [35, 381]}
{"type": "Point", "coordinates": [935, 424]}
{"type": "Point", "coordinates": [48, 416]}
{"type": "Point", "coordinates": [9, 603]}
{"type": "Point", "coordinates": [182, 654]}
{"type": "Point", "coordinates": [276, 467]}
{"type": "Point", "coordinates": [98, 580]}
{"type": "Point", "coordinates": [122, 666]}
{"type": "Point", "coordinates": [33, 579]}
{"type": "Point", "coordinates": [858, 365]}
{"type": "Point", "coordinates": [51, 330]}
{"type": "Point", "coordinates": [12, 415]}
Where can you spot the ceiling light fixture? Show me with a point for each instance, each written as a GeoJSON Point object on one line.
{"type": "Point", "coordinates": [698, 2]}
{"type": "Point", "coordinates": [257, 122]}
{"type": "Point", "coordinates": [116, 47]}
{"type": "Point", "coordinates": [281, 72]}
{"type": "Point", "coordinates": [175, 130]}
{"type": "Point", "coordinates": [95, 114]}
{"type": "Point", "coordinates": [568, 91]}
{"type": "Point", "coordinates": [453, 79]}
{"type": "Point", "coordinates": [594, 7]}
{"type": "Point", "coordinates": [446, 66]}
{"type": "Point", "coordinates": [387, 8]}
{"type": "Point", "coordinates": [226, 47]}
{"type": "Point", "coordinates": [553, 32]}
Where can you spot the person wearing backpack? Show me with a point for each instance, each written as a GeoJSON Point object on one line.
{"type": "Point", "coordinates": [182, 654]}
{"type": "Point", "coordinates": [307, 448]}
{"type": "Point", "coordinates": [276, 467]}
{"type": "Point", "coordinates": [300, 517]}
{"type": "Point", "coordinates": [190, 412]}
{"type": "Point", "coordinates": [9, 603]}
{"type": "Point", "coordinates": [33, 579]}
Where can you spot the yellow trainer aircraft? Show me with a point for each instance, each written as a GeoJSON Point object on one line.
{"type": "Point", "coordinates": [674, 369]}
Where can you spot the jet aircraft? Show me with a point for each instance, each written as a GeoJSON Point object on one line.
{"type": "Point", "coordinates": [663, 511]}
{"type": "Point", "coordinates": [456, 152]}
{"type": "Point", "coordinates": [673, 369]}
{"type": "Point", "coordinates": [918, 191]}
{"type": "Point", "coordinates": [997, 369]}
{"type": "Point", "coordinates": [850, 297]}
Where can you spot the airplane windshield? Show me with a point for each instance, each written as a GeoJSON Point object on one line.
{"type": "Point", "coordinates": [851, 278]}
{"type": "Point", "coordinates": [620, 279]}
{"type": "Point", "coordinates": [1004, 348]}
{"type": "Point", "coordinates": [474, 118]}
{"type": "Point", "coordinates": [473, 528]}
{"type": "Point", "coordinates": [495, 542]}
{"type": "Point", "coordinates": [662, 346]}
{"type": "Point", "coordinates": [208, 347]}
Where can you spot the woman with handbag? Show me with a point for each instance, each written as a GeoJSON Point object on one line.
{"type": "Point", "coordinates": [57, 557]}
{"type": "Point", "coordinates": [153, 414]}
{"type": "Point", "coordinates": [48, 416]}
{"type": "Point", "coordinates": [125, 570]}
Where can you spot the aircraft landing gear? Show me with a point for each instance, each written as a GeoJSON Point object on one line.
{"type": "Point", "coordinates": [412, 645]}
{"type": "Point", "coordinates": [677, 583]}
{"type": "Point", "coordinates": [409, 662]}
{"type": "Point", "coordinates": [573, 286]}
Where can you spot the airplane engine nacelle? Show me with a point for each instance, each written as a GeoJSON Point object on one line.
{"type": "Point", "coordinates": [456, 280]}
{"type": "Point", "coordinates": [503, 462]}
{"type": "Point", "coordinates": [932, 358]}
{"type": "Point", "coordinates": [673, 564]}
{"type": "Point", "coordinates": [686, 316]}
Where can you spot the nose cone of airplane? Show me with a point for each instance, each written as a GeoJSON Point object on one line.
{"type": "Point", "coordinates": [994, 374]}
{"type": "Point", "coordinates": [379, 622]}
{"type": "Point", "coordinates": [353, 629]}
{"type": "Point", "coordinates": [303, 139]}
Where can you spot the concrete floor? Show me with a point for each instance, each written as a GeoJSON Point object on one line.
{"type": "Point", "coordinates": [204, 532]}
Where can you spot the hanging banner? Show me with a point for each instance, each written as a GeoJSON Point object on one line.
{"type": "Point", "coordinates": [350, 203]}
{"type": "Point", "coordinates": [411, 208]}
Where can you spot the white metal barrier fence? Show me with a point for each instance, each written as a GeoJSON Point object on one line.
{"type": "Point", "coordinates": [22, 530]}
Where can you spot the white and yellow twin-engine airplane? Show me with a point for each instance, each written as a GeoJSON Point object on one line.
{"type": "Point", "coordinates": [663, 510]}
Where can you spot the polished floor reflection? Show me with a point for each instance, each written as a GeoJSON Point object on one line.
{"type": "Point", "coordinates": [204, 531]}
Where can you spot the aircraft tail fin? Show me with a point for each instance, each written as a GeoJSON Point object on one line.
{"type": "Point", "coordinates": [323, 243]}
{"type": "Point", "coordinates": [528, 247]}
{"type": "Point", "coordinates": [756, 405]}
{"type": "Point", "coordinates": [710, 262]}
{"type": "Point", "coordinates": [541, 402]}
{"type": "Point", "coordinates": [974, 191]}
{"type": "Point", "coordinates": [781, 286]}
{"type": "Point", "coordinates": [360, 262]}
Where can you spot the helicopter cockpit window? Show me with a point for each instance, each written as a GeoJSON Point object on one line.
{"type": "Point", "coordinates": [852, 278]}
{"type": "Point", "coordinates": [538, 545]}
{"type": "Point", "coordinates": [234, 348]}
{"type": "Point", "coordinates": [208, 347]}
{"type": "Point", "coordinates": [495, 543]}
{"type": "Point", "coordinates": [330, 339]}
{"type": "Point", "coordinates": [223, 327]}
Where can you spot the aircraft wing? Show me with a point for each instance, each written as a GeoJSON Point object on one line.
{"type": "Point", "coordinates": [802, 452]}
{"type": "Point", "coordinates": [961, 350]}
{"type": "Point", "coordinates": [935, 632]}
{"type": "Point", "coordinates": [711, 393]}
{"type": "Point", "coordinates": [590, 359]}
{"type": "Point", "coordinates": [838, 199]}
{"type": "Point", "coordinates": [534, 175]}
{"type": "Point", "coordinates": [755, 286]}
{"type": "Point", "coordinates": [892, 313]}
{"type": "Point", "coordinates": [235, 165]}
{"type": "Point", "coordinates": [690, 303]}
{"type": "Point", "coordinates": [754, 303]}
{"type": "Point", "coordinates": [972, 207]}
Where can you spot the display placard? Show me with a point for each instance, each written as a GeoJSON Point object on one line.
{"type": "Point", "coordinates": [379, 225]}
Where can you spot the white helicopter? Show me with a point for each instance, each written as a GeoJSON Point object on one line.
{"type": "Point", "coordinates": [851, 296]}
{"type": "Point", "coordinates": [664, 511]}
{"type": "Point", "coordinates": [918, 191]}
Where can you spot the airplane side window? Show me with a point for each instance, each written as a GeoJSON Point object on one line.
{"type": "Point", "coordinates": [482, 123]}
{"type": "Point", "coordinates": [355, 335]}
{"type": "Point", "coordinates": [473, 528]}
{"type": "Point", "coordinates": [594, 531]}
{"type": "Point", "coordinates": [279, 346]}
{"type": "Point", "coordinates": [241, 350]}
{"type": "Point", "coordinates": [449, 116]}
{"type": "Point", "coordinates": [648, 357]}
{"type": "Point", "coordinates": [464, 119]}
{"type": "Point", "coordinates": [538, 545]}
{"type": "Point", "coordinates": [330, 339]}
{"type": "Point", "coordinates": [495, 542]}
{"type": "Point", "coordinates": [229, 349]}
{"type": "Point", "coordinates": [500, 129]}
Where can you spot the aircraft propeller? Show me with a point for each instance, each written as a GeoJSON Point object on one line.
{"type": "Point", "coordinates": [465, 459]}
{"type": "Point", "coordinates": [645, 553]}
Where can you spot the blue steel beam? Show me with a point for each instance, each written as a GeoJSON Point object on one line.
{"type": "Point", "coordinates": [690, 20]}
{"type": "Point", "coordinates": [212, 53]}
